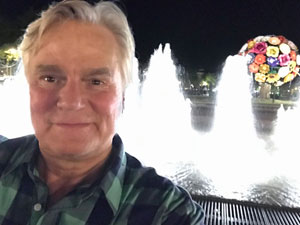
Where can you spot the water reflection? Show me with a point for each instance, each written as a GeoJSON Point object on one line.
{"type": "Point", "coordinates": [189, 176]}
{"type": "Point", "coordinates": [278, 191]}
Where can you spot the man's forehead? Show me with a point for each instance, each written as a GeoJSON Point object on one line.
{"type": "Point", "coordinates": [88, 71]}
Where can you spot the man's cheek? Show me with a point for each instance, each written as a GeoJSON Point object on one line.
{"type": "Point", "coordinates": [41, 101]}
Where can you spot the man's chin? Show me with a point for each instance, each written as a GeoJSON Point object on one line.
{"type": "Point", "coordinates": [68, 148]}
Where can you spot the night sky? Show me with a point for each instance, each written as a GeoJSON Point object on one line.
{"type": "Point", "coordinates": [202, 33]}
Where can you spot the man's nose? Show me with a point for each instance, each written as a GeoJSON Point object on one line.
{"type": "Point", "coordinates": [71, 96]}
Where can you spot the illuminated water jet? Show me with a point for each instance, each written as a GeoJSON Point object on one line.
{"type": "Point", "coordinates": [15, 115]}
{"type": "Point", "coordinates": [160, 128]}
{"type": "Point", "coordinates": [230, 161]}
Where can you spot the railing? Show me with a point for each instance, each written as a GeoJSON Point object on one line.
{"type": "Point", "coordinates": [220, 211]}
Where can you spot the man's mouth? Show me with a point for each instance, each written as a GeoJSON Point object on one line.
{"type": "Point", "coordinates": [72, 125]}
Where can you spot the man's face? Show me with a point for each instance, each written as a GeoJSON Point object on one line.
{"type": "Point", "coordinates": [75, 90]}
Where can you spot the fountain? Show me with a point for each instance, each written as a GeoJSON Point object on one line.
{"type": "Point", "coordinates": [230, 161]}
{"type": "Point", "coordinates": [15, 114]}
{"type": "Point", "coordinates": [234, 147]}
{"type": "Point", "coordinates": [160, 106]}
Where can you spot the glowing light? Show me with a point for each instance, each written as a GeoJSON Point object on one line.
{"type": "Point", "coordinates": [204, 83]}
{"type": "Point", "coordinates": [12, 54]}
{"type": "Point", "coordinates": [14, 114]}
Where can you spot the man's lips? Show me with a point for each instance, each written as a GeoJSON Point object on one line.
{"type": "Point", "coordinates": [72, 125]}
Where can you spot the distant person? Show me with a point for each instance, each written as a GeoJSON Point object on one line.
{"type": "Point", "coordinates": [74, 170]}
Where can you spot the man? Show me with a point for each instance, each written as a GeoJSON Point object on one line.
{"type": "Point", "coordinates": [77, 61]}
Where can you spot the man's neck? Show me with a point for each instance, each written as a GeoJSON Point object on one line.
{"type": "Point", "coordinates": [62, 176]}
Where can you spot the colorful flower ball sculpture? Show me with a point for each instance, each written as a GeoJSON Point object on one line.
{"type": "Point", "coordinates": [272, 59]}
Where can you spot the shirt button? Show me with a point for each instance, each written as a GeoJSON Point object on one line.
{"type": "Point", "coordinates": [37, 207]}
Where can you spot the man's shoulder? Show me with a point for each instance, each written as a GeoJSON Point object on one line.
{"type": "Point", "coordinates": [16, 143]}
{"type": "Point", "coordinates": [10, 147]}
{"type": "Point", "coordinates": [146, 178]}
{"type": "Point", "coordinates": [143, 176]}
{"type": "Point", "coordinates": [158, 194]}
{"type": "Point", "coordinates": [2, 138]}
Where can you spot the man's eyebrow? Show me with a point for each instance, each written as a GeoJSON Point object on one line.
{"type": "Point", "coordinates": [98, 71]}
{"type": "Point", "coordinates": [47, 68]}
{"type": "Point", "coordinates": [88, 72]}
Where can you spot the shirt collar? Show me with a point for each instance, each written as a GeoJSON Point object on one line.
{"type": "Point", "coordinates": [25, 150]}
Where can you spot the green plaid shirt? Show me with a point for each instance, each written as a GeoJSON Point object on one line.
{"type": "Point", "coordinates": [2, 138]}
{"type": "Point", "coordinates": [127, 194]}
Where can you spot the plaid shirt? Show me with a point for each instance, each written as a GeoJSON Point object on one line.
{"type": "Point", "coordinates": [2, 138]}
{"type": "Point", "coordinates": [127, 194]}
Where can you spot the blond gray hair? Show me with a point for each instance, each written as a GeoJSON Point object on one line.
{"type": "Point", "coordinates": [103, 13]}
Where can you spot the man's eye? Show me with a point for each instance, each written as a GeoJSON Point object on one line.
{"type": "Point", "coordinates": [96, 82]}
{"type": "Point", "coordinates": [49, 79]}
